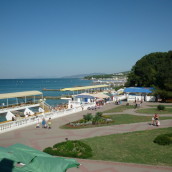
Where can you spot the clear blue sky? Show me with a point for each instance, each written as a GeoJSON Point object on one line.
{"type": "Point", "coordinates": [54, 38]}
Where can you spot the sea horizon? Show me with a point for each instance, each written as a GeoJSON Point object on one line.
{"type": "Point", "coordinates": [19, 85]}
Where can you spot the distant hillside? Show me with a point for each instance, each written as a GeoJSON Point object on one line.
{"type": "Point", "coordinates": [102, 76]}
{"type": "Point", "coordinates": [83, 75]}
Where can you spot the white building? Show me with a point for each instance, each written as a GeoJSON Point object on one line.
{"type": "Point", "coordinates": [139, 94]}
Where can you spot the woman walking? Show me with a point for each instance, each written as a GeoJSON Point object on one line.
{"type": "Point", "coordinates": [49, 123]}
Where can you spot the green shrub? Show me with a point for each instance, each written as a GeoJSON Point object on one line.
{"type": "Point", "coordinates": [49, 150]}
{"type": "Point", "coordinates": [164, 139]}
{"type": "Point", "coordinates": [161, 107]}
{"type": "Point", "coordinates": [99, 114]}
{"type": "Point", "coordinates": [82, 121]}
{"type": "Point", "coordinates": [96, 119]}
{"type": "Point", "coordinates": [88, 117]}
{"type": "Point", "coordinates": [70, 148]}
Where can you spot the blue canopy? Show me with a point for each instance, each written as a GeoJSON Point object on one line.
{"type": "Point", "coordinates": [85, 96]}
{"type": "Point", "coordinates": [138, 90]}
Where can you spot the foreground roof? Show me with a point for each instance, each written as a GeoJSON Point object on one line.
{"type": "Point", "coordinates": [19, 94]}
{"type": "Point", "coordinates": [138, 90]}
{"type": "Point", "coordinates": [83, 88]}
{"type": "Point", "coordinates": [32, 160]}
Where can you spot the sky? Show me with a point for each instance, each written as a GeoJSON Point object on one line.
{"type": "Point", "coordinates": [56, 38]}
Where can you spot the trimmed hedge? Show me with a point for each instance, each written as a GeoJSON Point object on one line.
{"type": "Point", "coordinates": [161, 107]}
{"type": "Point", "coordinates": [163, 139]}
{"type": "Point", "coordinates": [70, 148]}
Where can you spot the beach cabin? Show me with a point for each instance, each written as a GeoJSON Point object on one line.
{"type": "Point", "coordinates": [20, 104]}
{"type": "Point", "coordinates": [80, 99]}
{"type": "Point", "coordinates": [84, 98]}
{"type": "Point", "coordinates": [96, 99]}
{"type": "Point", "coordinates": [139, 94]}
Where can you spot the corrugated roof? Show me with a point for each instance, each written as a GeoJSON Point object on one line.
{"type": "Point", "coordinates": [101, 95]}
{"type": "Point", "coordinates": [83, 88]}
{"type": "Point", "coordinates": [85, 96]}
{"type": "Point", "coordinates": [138, 90]}
{"type": "Point", "coordinates": [98, 95]}
{"type": "Point", "coordinates": [19, 94]}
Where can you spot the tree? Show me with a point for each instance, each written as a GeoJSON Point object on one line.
{"type": "Point", "coordinates": [153, 70]}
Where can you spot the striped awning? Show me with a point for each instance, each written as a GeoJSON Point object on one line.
{"type": "Point", "coordinates": [19, 94]}
{"type": "Point", "coordinates": [84, 88]}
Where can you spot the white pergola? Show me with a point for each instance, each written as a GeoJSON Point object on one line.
{"type": "Point", "coordinates": [20, 94]}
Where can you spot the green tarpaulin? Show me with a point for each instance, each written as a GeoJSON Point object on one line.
{"type": "Point", "coordinates": [32, 160]}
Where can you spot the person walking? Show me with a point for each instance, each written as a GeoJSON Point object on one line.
{"type": "Point", "coordinates": [49, 123]}
{"type": "Point", "coordinates": [43, 123]}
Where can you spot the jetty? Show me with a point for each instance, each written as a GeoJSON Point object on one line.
{"type": "Point", "coordinates": [45, 89]}
{"type": "Point", "coordinates": [54, 97]}
{"type": "Point", "coordinates": [79, 88]}
{"type": "Point", "coordinates": [94, 87]}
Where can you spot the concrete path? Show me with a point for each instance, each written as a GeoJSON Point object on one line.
{"type": "Point", "coordinates": [107, 166]}
{"type": "Point", "coordinates": [41, 138]}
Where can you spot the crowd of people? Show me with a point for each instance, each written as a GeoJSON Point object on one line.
{"type": "Point", "coordinates": [60, 107]}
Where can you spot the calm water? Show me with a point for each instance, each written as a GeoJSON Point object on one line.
{"type": "Point", "coordinates": [17, 85]}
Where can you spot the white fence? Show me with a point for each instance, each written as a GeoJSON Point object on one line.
{"type": "Point", "coordinates": [8, 126]}
{"type": "Point", "coordinates": [150, 98]}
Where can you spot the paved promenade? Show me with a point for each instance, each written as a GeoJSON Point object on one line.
{"type": "Point", "coordinates": [41, 138]}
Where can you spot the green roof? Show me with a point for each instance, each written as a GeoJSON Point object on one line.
{"type": "Point", "coordinates": [33, 160]}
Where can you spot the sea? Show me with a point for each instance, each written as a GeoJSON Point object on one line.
{"type": "Point", "coordinates": [18, 85]}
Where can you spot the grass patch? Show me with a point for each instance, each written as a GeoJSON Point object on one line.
{"type": "Point", "coordinates": [120, 108]}
{"type": "Point", "coordinates": [128, 119]}
{"type": "Point", "coordinates": [118, 119]}
{"type": "Point", "coordinates": [168, 106]}
{"type": "Point", "coordinates": [154, 110]}
{"type": "Point", "coordinates": [135, 147]}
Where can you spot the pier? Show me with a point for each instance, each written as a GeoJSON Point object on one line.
{"type": "Point", "coordinates": [45, 89]}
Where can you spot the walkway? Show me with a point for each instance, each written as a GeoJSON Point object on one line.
{"type": "Point", "coordinates": [41, 138]}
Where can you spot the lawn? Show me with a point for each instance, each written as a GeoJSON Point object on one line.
{"type": "Point", "coordinates": [155, 110]}
{"type": "Point", "coordinates": [135, 147]}
{"type": "Point", "coordinates": [170, 106]}
{"type": "Point", "coordinates": [128, 119]}
{"type": "Point", "coordinates": [117, 120]}
{"type": "Point", "coordinates": [119, 108]}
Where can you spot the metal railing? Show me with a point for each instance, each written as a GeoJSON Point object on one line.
{"type": "Point", "coordinates": [18, 107]}
{"type": "Point", "coordinates": [8, 126]}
